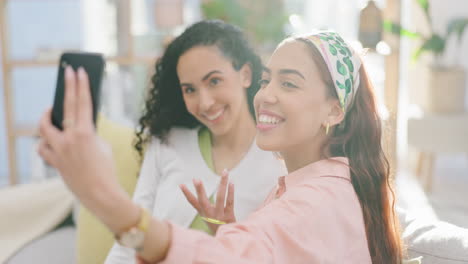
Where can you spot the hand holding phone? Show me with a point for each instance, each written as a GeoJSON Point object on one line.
{"type": "Point", "coordinates": [93, 64]}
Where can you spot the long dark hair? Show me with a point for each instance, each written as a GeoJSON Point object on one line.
{"type": "Point", "coordinates": [359, 139]}
{"type": "Point", "coordinates": [165, 107]}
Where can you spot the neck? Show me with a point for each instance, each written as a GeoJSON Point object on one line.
{"type": "Point", "coordinates": [239, 136]}
{"type": "Point", "coordinates": [302, 155]}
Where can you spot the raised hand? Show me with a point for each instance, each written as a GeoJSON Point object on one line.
{"type": "Point", "coordinates": [222, 211]}
{"type": "Point", "coordinates": [82, 158]}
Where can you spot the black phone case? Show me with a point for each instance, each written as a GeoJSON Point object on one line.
{"type": "Point", "coordinates": [93, 64]}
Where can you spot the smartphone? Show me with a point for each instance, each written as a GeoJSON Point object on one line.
{"type": "Point", "coordinates": [93, 64]}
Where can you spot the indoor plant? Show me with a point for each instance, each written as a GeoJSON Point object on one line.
{"type": "Point", "coordinates": [445, 80]}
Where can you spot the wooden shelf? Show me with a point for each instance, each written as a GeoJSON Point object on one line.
{"type": "Point", "coordinates": [26, 131]}
{"type": "Point", "coordinates": [15, 131]}
{"type": "Point", "coordinates": [118, 60]}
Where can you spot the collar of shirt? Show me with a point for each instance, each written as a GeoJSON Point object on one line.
{"type": "Point", "coordinates": [332, 167]}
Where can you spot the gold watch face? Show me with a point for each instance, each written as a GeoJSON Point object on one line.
{"type": "Point", "coordinates": [133, 238]}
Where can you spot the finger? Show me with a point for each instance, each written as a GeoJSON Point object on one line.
{"type": "Point", "coordinates": [230, 200]}
{"type": "Point", "coordinates": [47, 154]}
{"type": "Point", "coordinates": [85, 105]}
{"type": "Point", "coordinates": [48, 131]}
{"type": "Point", "coordinates": [202, 199]}
{"type": "Point", "coordinates": [69, 104]}
{"type": "Point", "coordinates": [190, 197]}
{"type": "Point", "coordinates": [221, 194]}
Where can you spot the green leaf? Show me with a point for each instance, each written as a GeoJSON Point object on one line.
{"type": "Point", "coordinates": [342, 51]}
{"type": "Point", "coordinates": [435, 44]}
{"type": "Point", "coordinates": [348, 85]}
{"type": "Point", "coordinates": [424, 4]}
{"type": "Point", "coordinates": [457, 26]}
{"type": "Point", "coordinates": [325, 37]}
{"type": "Point", "coordinates": [341, 68]}
{"type": "Point", "coordinates": [349, 63]}
{"type": "Point", "coordinates": [348, 51]}
{"type": "Point", "coordinates": [340, 85]}
{"type": "Point", "coordinates": [339, 47]}
{"type": "Point", "coordinates": [397, 29]}
{"type": "Point", "coordinates": [229, 11]}
{"type": "Point", "coordinates": [332, 50]}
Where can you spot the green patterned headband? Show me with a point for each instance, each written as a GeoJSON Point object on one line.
{"type": "Point", "coordinates": [343, 64]}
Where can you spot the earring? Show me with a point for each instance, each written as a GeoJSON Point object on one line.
{"type": "Point", "coordinates": [327, 128]}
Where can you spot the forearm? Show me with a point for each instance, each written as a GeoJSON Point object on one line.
{"type": "Point", "coordinates": [118, 212]}
{"type": "Point", "coordinates": [157, 241]}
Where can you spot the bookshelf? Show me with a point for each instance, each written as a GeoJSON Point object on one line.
{"type": "Point", "coordinates": [15, 130]}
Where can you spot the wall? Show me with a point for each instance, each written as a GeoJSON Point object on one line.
{"type": "Point", "coordinates": [442, 13]}
{"type": "Point", "coordinates": [36, 28]}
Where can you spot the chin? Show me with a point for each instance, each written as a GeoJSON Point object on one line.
{"type": "Point", "coordinates": [267, 144]}
{"type": "Point", "coordinates": [219, 130]}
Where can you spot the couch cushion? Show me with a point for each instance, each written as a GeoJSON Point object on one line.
{"type": "Point", "coordinates": [436, 241]}
{"type": "Point", "coordinates": [94, 240]}
{"type": "Point", "coordinates": [29, 211]}
{"type": "Point", "coordinates": [56, 247]}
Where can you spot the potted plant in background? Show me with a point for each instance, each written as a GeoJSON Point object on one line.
{"type": "Point", "coordinates": [445, 81]}
{"type": "Point", "coordinates": [263, 20]}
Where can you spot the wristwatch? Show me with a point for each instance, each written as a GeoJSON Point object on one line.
{"type": "Point", "coordinates": [134, 237]}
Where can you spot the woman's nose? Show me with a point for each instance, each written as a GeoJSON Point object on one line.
{"type": "Point", "coordinates": [267, 94]}
{"type": "Point", "coordinates": [206, 100]}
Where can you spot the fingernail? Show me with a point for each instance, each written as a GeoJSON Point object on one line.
{"type": "Point", "coordinates": [81, 73]}
{"type": "Point", "coordinates": [68, 72]}
{"type": "Point", "coordinates": [225, 172]}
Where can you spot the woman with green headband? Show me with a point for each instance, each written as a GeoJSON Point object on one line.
{"type": "Point", "coordinates": [316, 108]}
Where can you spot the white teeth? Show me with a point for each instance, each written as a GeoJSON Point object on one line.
{"type": "Point", "coordinates": [266, 119]}
{"type": "Point", "coordinates": [213, 117]}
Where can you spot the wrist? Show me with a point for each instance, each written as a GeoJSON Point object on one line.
{"type": "Point", "coordinates": [114, 208]}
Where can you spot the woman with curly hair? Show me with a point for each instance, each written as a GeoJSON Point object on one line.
{"type": "Point", "coordinates": [198, 121]}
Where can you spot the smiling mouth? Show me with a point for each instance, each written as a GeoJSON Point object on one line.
{"type": "Point", "coordinates": [267, 122]}
{"type": "Point", "coordinates": [215, 116]}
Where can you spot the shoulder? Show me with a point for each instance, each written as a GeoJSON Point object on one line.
{"type": "Point", "coordinates": [181, 135]}
{"type": "Point", "coordinates": [180, 144]}
{"type": "Point", "coordinates": [175, 135]}
{"type": "Point", "coordinates": [326, 187]}
{"type": "Point", "coordinates": [325, 195]}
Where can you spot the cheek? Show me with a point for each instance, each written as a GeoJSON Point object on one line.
{"type": "Point", "coordinates": [256, 102]}
{"type": "Point", "coordinates": [230, 94]}
{"type": "Point", "coordinates": [190, 104]}
{"type": "Point", "coordinates": [305, 121]}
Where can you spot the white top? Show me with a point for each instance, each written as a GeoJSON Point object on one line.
{"type": "Point", "coordinates": [179, 160]}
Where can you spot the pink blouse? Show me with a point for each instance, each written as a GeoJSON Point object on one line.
{"type": "Point", "coordinates": [313, 216]}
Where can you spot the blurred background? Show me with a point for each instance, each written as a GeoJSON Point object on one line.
{"type": "Point", "coordinates": [416, 52]}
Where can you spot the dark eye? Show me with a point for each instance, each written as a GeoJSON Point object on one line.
{"type": "Point", "coordinates": [263, 83]}
{"type": "Point", "coordinates": [289, 85]}
{"type": "Point", "coordinates": [189, 90]}
{"type": "Point", "coordinates": [215, 81]}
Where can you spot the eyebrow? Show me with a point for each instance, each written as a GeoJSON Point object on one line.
{"type": "Point", "coordinates": [285, 71]}
{"type": "Point", "coordinates": [291, 71]}
{"type": "Point", "coordinates": [204, 77]}
{"type": "Point", "coordinates": [209, 74]}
